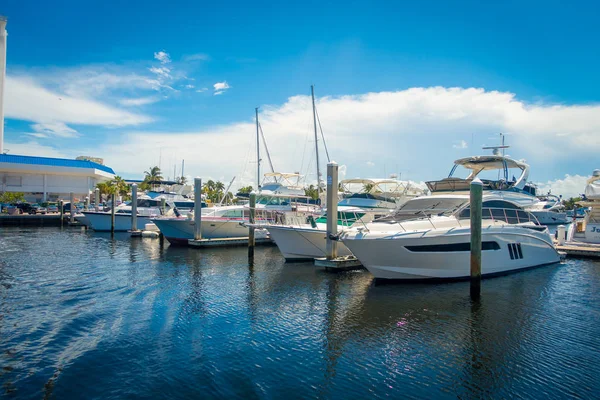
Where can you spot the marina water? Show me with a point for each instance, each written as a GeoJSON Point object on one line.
{"type": "Point", "coordinates": [84, 315]}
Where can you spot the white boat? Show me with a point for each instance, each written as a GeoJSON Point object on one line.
{"type": "Point", "coordinates": [373, 199]}
{"type": "Point", "coordinates": [217, 223]}
{"type": "Point", "coordinates": [437, 244]}
{"type": "Point", "coordinates": [230, 221]}
{"type": "Point", "coordinates": [587, 231]}
{"type": "Point", "coordinates": [549, 210]}
{"type": "Point", "coordinates": [307, 241]}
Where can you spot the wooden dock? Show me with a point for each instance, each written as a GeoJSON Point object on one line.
{"type": "Point", "coordinates": [347, 263]}
{"type": "Point", "coordinates": [228, 242]}
{"type": "Point", "coordinates": [582, 250]}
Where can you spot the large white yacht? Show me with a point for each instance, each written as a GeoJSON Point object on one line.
{"type": "Point", "coordinates": [588, 230]}
{"type": "Point", "coordinates": [374, 198]}
{"type": "Point", "coordinates": [429, 238]}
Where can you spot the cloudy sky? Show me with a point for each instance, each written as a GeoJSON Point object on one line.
{"type": "Point", "coordinates": [402, 87]}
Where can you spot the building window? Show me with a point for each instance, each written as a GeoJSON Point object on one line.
{"type": "Point", "coordinates": [15, 181]}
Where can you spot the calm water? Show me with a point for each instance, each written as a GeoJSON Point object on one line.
{"type": "Point", "coordinates": [84, 316]}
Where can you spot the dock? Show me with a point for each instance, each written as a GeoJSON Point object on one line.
{"type": "Point", "coordinates": [228, 242]}
{"type": "Point", "coordinates": [580, 250]}
{"type": "Point", "coordinates": [347, 263]}
{"type": "Point", "coordinates": [30, 220]}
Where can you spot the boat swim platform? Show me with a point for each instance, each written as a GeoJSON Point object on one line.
{"type": "Point", "coordinates": [338, 264]}
{"type": "Point", "coordinates": [579, 249]}
{"type": "Point", "coordinates": [229, 242]}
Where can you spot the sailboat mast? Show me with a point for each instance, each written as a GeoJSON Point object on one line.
{"type": "Point", "coordinates": [312, 93]}
{"type": "Point", "coordinates": [257, 151]}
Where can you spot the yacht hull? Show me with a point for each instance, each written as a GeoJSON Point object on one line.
{"type": "Point", "coordinates": [101, 221]}
{"type": "Point", "coordinates": [179, 230]}
{"type": "Point", "coordinates": [429, 254]}
{"type": "Point", "coordinates": [550, 217]}
{"type": "Point", "coordinates": [297, 244]}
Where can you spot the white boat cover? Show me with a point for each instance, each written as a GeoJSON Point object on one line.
{"type": "Point", "coordinates": [592, 190]}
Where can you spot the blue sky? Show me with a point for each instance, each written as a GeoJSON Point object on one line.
{"type": "Point", "coordinates": [135, 72]}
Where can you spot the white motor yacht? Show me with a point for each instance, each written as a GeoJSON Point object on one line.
{"type": "Point", "coordinates": [549, 210]}
{"type": "Point", "coordinates": [587, 231]}
{"type": "Point", "coordinates": [429, 238]}
{"type": "Point", "coordinates": [148, 206]}
{"type": "Point", "coordinates": [374, 198]}
{"type": "Point", "coordinates": [230, 221]}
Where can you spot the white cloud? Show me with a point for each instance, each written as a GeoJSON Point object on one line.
{"type": "Point", "coordinates": [163, 57]}
{"type": "Point", "coordinates": [197, 57]}
{"type": "Point", "coordinates": [370, 164]}
{"type": "Point", "coordinates": [140, 101]}
{"type": "Point", "coordinates": [189, 86]}
{"type": "Point", "coordinates": [569, 186]}
{"type": "Point", "coordinates": [28, 100]}
{"type": "Point", "coordinates": [34, 148]}
{"type": "Point", "coordinates": [59, 129]}
{"type": "Point", "coordinates": [460, 145]}
{"type": "Point", "coordinates": [163, 72]}
{"type": "Point", "coordinates": [201, 90]}
{"type": "Point", "coordinates": [409, 131]}
{"type": "Point", "coordinates": [221, 87]}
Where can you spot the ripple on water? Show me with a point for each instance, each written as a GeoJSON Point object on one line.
{"type": "Point", "coordinates": [116, 318]}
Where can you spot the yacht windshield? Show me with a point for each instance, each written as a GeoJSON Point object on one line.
{"type": "Point", "coordinates": [425, 207]}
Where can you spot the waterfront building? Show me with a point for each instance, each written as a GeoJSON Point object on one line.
{"type": "Point", "coordinates": [49, 179]}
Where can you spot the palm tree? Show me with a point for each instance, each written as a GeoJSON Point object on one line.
{"type": "Point", "coordinates": [120, 186]}
{"type": "Point", "coordinates": [154, 174]}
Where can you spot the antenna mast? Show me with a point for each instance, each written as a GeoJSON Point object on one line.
{"type": "Point", "coordinates": [312, 93]}
{"type": "Point", "coordinates": [257, 151]}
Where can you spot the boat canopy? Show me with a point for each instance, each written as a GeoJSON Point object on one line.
{"type": "Point", "coordinates": [391, 187]}
{"type": "Point", "coordinates": [592, 188]}
{"type": "Point", "coordinates": [478, 164]}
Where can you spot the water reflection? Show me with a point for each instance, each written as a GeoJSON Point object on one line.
{"type": "Point", "coordinates": [126, 317]}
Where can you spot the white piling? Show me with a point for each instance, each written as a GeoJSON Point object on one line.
{"type": "Point", "coordinates": [113, 200]}
{"type": "Point", "coordinates": [97, 199]}
{"type": "Point", "coordinates": [561, 232]}
{"type": "Point", "coordinates": [87, 203]}
{"type": "Point", "coordinates": [197, 208]}
{"type": "Point", "coordinates": [332, 217]}
{"type": "Point", "coordinates": [134, 207]}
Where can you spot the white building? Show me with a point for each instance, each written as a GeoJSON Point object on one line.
{"type": "Point", "coordinates": [49, 179]}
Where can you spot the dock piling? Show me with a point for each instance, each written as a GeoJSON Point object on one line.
{"type": "Point", "coordinates": [163, 206]}
{"type": "Point", "coordinates": [72, 208]}
{"type": "Point", "coordinates": [134, 208]}
{"type": "Point", "coordinates": [112, 213]}
{"type": "Point", "coordinates": [197, 208]}
{"type": "Point", "coordinates": [476, 194]}
{"type": "Point", "coordinates": [561, 233]}
{"type": "Point", "coordinates": [252, 220]}
{"type": "Point", "coordinates": [332, 219]}
{"type": "Point", "coordinates": [97, 199]}
{"type": "Point", "coordinates": [61, 209]}
{"type": "Point", "coordinates": [87, 203]}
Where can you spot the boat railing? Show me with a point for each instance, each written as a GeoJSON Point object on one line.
{"type": "Point", "coordinates": [509, 216]}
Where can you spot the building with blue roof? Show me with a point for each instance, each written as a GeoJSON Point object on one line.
{"type": "Point", "coordinates": [50, 179]}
